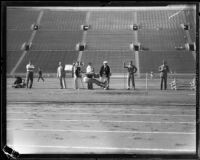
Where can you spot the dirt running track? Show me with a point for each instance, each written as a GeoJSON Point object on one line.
{"type": "Point", "coordinates": [47, 119]}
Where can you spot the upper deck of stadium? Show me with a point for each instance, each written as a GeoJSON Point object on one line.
{"type": "Point", "coordinates": [108, 38]}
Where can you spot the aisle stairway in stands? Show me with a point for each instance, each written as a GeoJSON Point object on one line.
{"type": "Point", "coordinates": [108, 38]}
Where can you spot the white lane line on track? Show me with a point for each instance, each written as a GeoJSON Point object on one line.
{"type": "Point", "coordinates": [105, 148]}
{"type": "Point", "coordinates": [94, 103]}
{"type": "Point", "coordinates": [106, 121]}
{"type": "Point", "coordinates": [103, 114]}
{"type": "Point", "coordinates": [93, 108]}
{"type": "Point", "coordinates": [101, 131]}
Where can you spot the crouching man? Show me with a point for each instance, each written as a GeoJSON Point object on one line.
{"type": "Point", "coordinates": [19, 83]}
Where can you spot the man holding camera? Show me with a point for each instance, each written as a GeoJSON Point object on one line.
{"type": "Point", "coordinates": [163, 69]}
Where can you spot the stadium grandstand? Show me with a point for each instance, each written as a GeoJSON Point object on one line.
{"type": "Point", "coordinates": [147, 119]}
{"type": "Point", "coordinates": [156, 34]}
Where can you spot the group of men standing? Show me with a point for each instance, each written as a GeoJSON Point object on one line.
{"type": "Point", "coordinates": [89, 76]}
{"type": "Point", "coordinates": [104, 74]}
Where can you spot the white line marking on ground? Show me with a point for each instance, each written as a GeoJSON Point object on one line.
{"type": "Point", "coordinates": [94, 103]}
{"type": "Point", "coordinates": [101, 131]}
{"type": "Point", "coordinates": [106, 114]}
{"type": "Point", "coordinates": [106, 148]}
{"type": "Point", "coordinates": [192, 94]}
{"type": "Point", "coordinates": [106, 121]}
{"type": "Point", "coordinates": [107, 108]}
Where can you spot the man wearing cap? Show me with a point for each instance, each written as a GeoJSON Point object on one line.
{"type": "Point", "coordinates": [131, 71]}
{"type": "Point", "coordinates": [61, 75]}
{"type": "Point", "coordinates": [163, 69]}
{"type": "Point", "coordinates": [105, 73]}
{"type": "Point", "coordinates": [29, 75]}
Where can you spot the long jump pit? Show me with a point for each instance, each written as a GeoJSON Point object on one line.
{"type": "Point", "coordinates": [115, 121]}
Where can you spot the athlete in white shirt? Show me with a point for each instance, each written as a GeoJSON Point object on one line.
{"type": "Point", "coordinates": [90, 73]}
{"type": "Point", "coordinates": [29, 76]}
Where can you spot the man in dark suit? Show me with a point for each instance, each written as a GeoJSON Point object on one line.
{"type": "Point", "coordinates": [163, 69]}
{"type": "Point", "coordinates": [105, 74]}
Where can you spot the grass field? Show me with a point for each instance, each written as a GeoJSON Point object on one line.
{"type": "Point", "coordinates": [47, 119]}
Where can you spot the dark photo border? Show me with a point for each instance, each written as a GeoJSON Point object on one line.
{"type": "Point", "coordinates": [105, 3]}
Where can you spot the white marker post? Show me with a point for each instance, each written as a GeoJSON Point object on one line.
{"type": "Point", "coordinates": [146, 81]}
{"type": "Point", "coordinates": [124, 74]}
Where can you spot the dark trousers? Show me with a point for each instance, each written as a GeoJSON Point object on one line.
{"type": "Point", "coordinates": [90, 85]}
{"type": "Point", "coordinates": [40, 76]}
{"type": "Point", "coordinates": [106, 79]}
{"type": "Point", "coordinates": [131, 80]}
{"type": "Point", "coordinates": [62, 82]}
{"type": "Point", "coordinates": [29, 76]}
{"type": "Point", "coordinates": [98, 83]}
{"type": "Point", "coordinates": [163, 80]}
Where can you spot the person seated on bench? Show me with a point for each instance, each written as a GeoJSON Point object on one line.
{"type": "Point", "coordinates": [88, 78]}
{"type": "Point", "coordinates": [19, 83]}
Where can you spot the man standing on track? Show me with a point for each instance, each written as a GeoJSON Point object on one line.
{"type": "Point", "coordinates": [77, 74]}
{"type": "Point", "coordinates": [131, 71]}
{"type": "Point", "coordinates": [29, 75]}
{"type": "Point", "coordinates": [90, 74]}
{"type": "Point", "coordinates": [40, 74]}
{"type": "Point", "coordinates": [163, 69]}
{"type": "Point", "coordinates": [61, 76]}
{"type": "Point", "coordinates": [105, 74]}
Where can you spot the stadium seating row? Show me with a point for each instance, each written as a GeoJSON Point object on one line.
{"type": "Point", "coordinates": [165, 39]}
{"type": "Point", "coordinates": [47, 60]}
{"type": "Point", "coordinates": [15, 39]}
{"type": "Point", "coordinates": [56, 40]}
{"type": "Point", "coordinates": [160, 19]}
{"type": "Point", "coordinates": [108, 38]}
{"type": "Point", "coordinates": [179, 62]}
{"type": "Point", "coordinates": [62, 20]}
{"type": "Point", "coordinates": [21, 19]}
{"type": "Point", "coordinates": [114, 58]}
